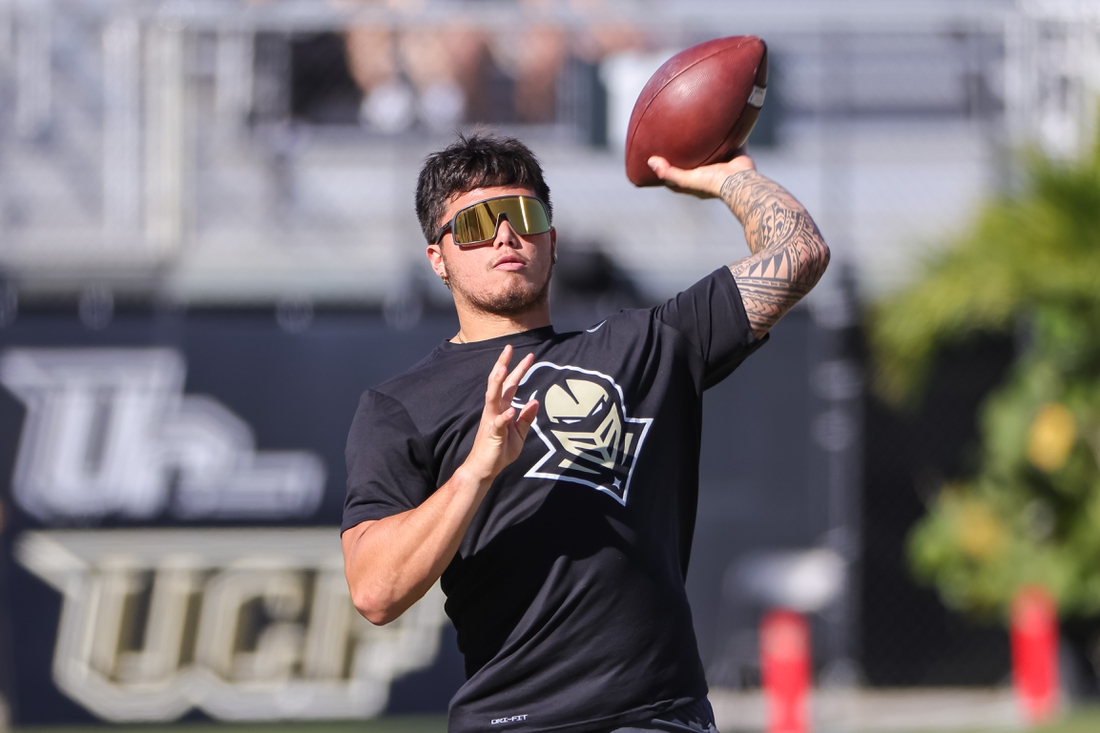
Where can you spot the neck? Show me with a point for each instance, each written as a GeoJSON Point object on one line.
{"type": "Point", "coordinates": [479, 325]}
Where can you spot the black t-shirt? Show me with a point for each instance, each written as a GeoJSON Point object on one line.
{"type": "Point", "coordinates": [567, 591]}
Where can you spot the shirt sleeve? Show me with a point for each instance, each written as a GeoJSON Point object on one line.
{"type": "Point", "coordinates": [388, 462]}
{"type": "Point", "coordinates": [711, 316]}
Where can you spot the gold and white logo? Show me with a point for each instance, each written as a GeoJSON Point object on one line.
{"type": "Point", "coordinates": [243, 624]}
{"type": "Point", "coordinates": [110, 432]}
{"type": "Point", "coordinates": [582, 419]}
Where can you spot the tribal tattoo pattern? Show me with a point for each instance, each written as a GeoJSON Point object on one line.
{"type": "Point", "coordinates": [788, 256]}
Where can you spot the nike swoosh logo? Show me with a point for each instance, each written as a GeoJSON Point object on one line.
{"type": "Point", "coordinates": [597, 327]}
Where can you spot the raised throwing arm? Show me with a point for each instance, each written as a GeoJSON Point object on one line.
{"type": "Point", "coordinates": [788, 255]}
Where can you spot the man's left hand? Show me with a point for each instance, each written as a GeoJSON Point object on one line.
{"type": "Point", "coordinates": [704, 182]}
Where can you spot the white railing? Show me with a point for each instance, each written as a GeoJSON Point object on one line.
{"type": "Point", "coordinates": [1052, 74]}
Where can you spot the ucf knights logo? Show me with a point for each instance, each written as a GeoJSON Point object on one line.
{"type": "Point", "coordinates": [583, 422]}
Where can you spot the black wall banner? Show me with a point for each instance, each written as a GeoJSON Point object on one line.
{"type": "Point", "coordinates": [172, 490]}
{"type": "Point", "coordinates": [172, 546]}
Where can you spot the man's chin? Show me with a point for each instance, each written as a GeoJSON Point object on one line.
{"type": "Point", "coordinates": [513, 302]}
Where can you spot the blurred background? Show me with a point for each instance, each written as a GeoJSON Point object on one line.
{"type": "Point", "coordinates": [208, 250]}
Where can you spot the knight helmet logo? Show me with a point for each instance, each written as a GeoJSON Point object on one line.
{"type": "Point", "coordinates": [583, 422]}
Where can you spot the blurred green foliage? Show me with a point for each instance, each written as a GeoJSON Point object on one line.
{"type": "Point", "coordinates": [1028, 266]}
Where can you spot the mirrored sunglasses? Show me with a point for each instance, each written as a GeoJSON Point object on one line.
{"type": "Point", "coordinates": [477, 223]}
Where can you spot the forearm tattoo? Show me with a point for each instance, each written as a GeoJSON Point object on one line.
{"type": "Point", "coordinates": [788, 253]}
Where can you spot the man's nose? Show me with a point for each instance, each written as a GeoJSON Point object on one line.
{"type": "Point", "coordinates": [506, 235]}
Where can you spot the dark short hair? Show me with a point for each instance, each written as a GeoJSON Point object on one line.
{"type": "Point", "coordinates": [478, 160]}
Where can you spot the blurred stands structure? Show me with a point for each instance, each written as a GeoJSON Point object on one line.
{"type": "Point", "coordinates": [226, 151]}
{"type": "Point", "coordinates": [239, 154]}
{"type": "Point", "coordinates": [1052, 74]}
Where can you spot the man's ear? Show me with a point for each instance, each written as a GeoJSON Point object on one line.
{"type": "Point", "coordinates": [553, 244]}
{"type": "Point", "coordinates": [435, 257]}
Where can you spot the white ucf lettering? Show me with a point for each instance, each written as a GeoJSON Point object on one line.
{"type": "Point", "coordinates": [244, 624]}
{"type": "Point", "coordinates": [109, 432]}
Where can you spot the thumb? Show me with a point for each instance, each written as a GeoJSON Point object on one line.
{"type": "Point", "coordinates": [660, 166]}
{"type": "Point", "coordinates": [668, 173]}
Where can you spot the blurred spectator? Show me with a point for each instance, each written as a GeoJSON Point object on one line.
{"type": "Point", "coordinates": [447, 66]}
{"type": "Point", "coordinates": [533, 57]}
{"type": "Point", "coordinates": [537, 55]}
{"type": "Point", "coordinates": [372, 64]}
{"type": "Point", "coordinates": [445, 76]}
{"type": "Point", "coordinates": [602, 37]}
{"type": "Point", "coordinates": [426, 73]}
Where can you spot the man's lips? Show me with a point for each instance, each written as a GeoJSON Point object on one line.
{"type": "Point", "coordinates": [510, 263]}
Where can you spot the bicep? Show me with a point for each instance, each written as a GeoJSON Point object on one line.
{"type": "Point", "coordinates": [388, 463]}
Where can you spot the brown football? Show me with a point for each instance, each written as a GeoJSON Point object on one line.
{"type": "Point", "coordinates": [699, 107]}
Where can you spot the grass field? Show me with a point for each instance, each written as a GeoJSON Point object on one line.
{"type": "Point", "coordinates": [397, 724]}
{"type": "Point", "coordinates": [1080, 721]}
{"type": "Point", "coordinates": [404, 724]}
{"type": "Point", "coordinates": [1085, 720]}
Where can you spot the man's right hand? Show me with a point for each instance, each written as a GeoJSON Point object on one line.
{"type": "Point", "coordinates": [391, 563]}
{"type": "Point", "coordinates": [501, 433]}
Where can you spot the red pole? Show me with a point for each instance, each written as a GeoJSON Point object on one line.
{"type": "Point", "coordinates": [785, 670]}
{"type": "Point", "coordinates": [1034, 634]}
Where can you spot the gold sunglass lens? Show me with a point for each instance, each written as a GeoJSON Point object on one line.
{"type": "Point", "coordinates": [478, 223]}
{"type": "Point", "coordinates": [475, 224]}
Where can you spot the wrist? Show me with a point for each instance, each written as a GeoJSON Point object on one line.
{"type": "Point", "coordinates": [734, 191]}
{"type": "Point", "coordinates": [474, 477]}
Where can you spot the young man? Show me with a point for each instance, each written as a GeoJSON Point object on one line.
{"type": "Point", "coordinates": [557, 505]}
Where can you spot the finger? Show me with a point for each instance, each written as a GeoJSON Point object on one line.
{"type": "Point", "coordinates": [501, 421]}
{"type": "Point", "coordinates": [526, 418]}
{"type": "Point", "coordinates": [511, 384]}
{"type": "Point", "coordinates": [517, 374]}
{"type": "Point", "coordinates": [505, 356]}
{"type": "Point", "coordinates": [496, 380]}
